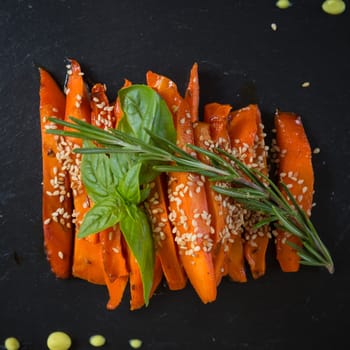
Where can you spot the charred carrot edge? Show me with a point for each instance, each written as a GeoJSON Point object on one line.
{"type": "Point", "coordinates": [87, 262]}
{"type": "Point", "coordinates": [165, 246]}
{"type": "Point", "coordinates": [296, 171]}
{"type": "Point", "coordinates": [56, 199]}
{"type": "Point", "coordinates": [192, 93]}
{"type": "Point", "coordinates": [246, 132]}
{"type": "Point", "coordinates": [228, 257]}
{"type": "Point", "coordinates": [188, 203]}
{"type": "Point", "coordinates": [114, 265]}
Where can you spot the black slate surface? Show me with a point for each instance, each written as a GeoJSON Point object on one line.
{"type": "Point", "coordinates": [241, 60]}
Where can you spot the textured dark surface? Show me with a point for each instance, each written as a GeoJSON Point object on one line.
{"type": "Point", "coordinates": [241, 60]}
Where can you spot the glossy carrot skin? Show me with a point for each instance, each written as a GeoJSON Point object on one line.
{"type": "Point", "coordinates": [56, 200]}
{"type": "Point", "coordinates": [192, 93]}
{"type": "Point", "coordinates": [118, 113]}
{"type": "Point", "coordinates": [102, 114]}
{"type": "Point", "coordinates": [247, 138]}
{"type": "Point", "coordinates": [296, 171]}
{"type": "Point", "coordinates": [165, 245]}
{"type": "Point", "coordinates": [188, 211]}
{"type": "Point", "coordinates": [87, 262]}
{"type": "Point", "coordinates": [228, 256]}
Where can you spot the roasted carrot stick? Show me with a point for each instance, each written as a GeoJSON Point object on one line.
{"type": "Point", "coordinates": [112, 253]}
{"type": "Point", "coordinates": [87, 262]}
{"type": "Point", "coordinates": [136, 287]}
{"type": "Point", "coordinates": [188, 203]}
{"type": "Point", "coordinates": [228, 254]}
{"type": "Point", "coordinates": [56, 200]}
{"type": "Point", "coordinates": [101, 112]}
{"type": "Point", "coordinates": [114, 265]}
{"type": "Point", "coordinates": [247, 138]}
{"type": "Point", "coordinates": [118, 113]}
{"type": "Point", "coordinates": [296, 171]}
{"type": "Point", "coordinates": [192, 93]}
{"type": "Point", "coordinates": [165, 246]}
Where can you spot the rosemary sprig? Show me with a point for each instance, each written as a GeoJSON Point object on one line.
{"type": "Point", "coordinates": [250, 187]}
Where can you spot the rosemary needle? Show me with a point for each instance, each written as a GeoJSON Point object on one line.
{"type": "Point", "coordinates": [251, 188]}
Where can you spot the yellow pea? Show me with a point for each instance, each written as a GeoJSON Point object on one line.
{"type": "Point", "coordinates": [135, 343]}
{"type": "Point", "coordinates": [12, 343]}
{"type": "Point", "coordinates": [97, 340]}
{"type": "Point", "coordinates": [59, 341]}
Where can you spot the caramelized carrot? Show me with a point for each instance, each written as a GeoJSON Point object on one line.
{"type": "Point", "coordinates": [228, 256]}
{"type": "Point", "coordinates": [188, 203]}
{"type": "Point", "coordinates": [136, 287]}
{"type": "Point", "coordinates": [192, 93]}
{"type": "Point", "coordinates": [114, 265]}
{"type": "Point", "coordinates": [165, 246]}
{"type": "Point", "coordinates": [87, 262]}
{"type": "Point", "coordinates": [101, 112]}
{"type": "Point", "coordinates": [118, 113]}
{"type": "Point", "coordinates": [56, 200]}
{"type": "Point", "coordinates": [247, 139]}
{"type": "Point", "coordinates": [296, 171]}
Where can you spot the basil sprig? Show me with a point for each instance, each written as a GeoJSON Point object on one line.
{"type": "Point", "coordinates": [114, 181]}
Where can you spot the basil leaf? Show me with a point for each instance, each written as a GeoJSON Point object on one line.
{"type": "Point", "coordinates": [144, 109]}
{"type": "Point", "coordinates": [137, 233]}
{"type": "Point", "coordinates": [144, 194]}
{"type": "Point", "coordinates": [129, 186]}
{"type": "Point", "coordinates": [102, 216]}
{"type": "Point", "coordinates": [97, 175]}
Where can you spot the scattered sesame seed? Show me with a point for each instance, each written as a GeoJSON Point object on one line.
{"type": "Point", "coordinates": [274, 26]}
{"type": "Point", "coordinates": [305, 84]}
{"type": "Point", "coordinates": [60, 255]}
{"type": "Point", "coordinates": [316, 150]}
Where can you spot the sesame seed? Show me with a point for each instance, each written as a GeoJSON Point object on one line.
{"type": "Point", "coordinates": [305, 84]}
{"type": "Point", "coordinates": [116, 250]}
{"type": "Point", "coordinates": [47, 221]}
{"type": "Point", "coordinates": [60, 255]}
{"type": "Point", "coordinates": [274, 26]}
{"type": "Point", "coordinates": [316, 150]}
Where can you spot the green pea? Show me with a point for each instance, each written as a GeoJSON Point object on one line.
{"type": "Point", "coordinates": [97, 340]}
{"type": "Point", "coordinates": [59, 341]}
{"type": "Point", "coordinates": [12, 343]}
{"type": "Point", "coordinates": [333, 7]}
{"type": "Point", "coordinates": [135, 343]}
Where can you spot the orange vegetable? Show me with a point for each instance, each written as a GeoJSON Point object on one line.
{"type": "Point", "coordinates": [165, 246]}
{"type": "Point", "coordinates": [192, 93]}
{"type": "Point", "coordinates": [115, 268]}
{"type": "Point", "coordinates": [87, 262]}
{"type": "Point", "coordinates": [228, 255]}
{"type": "Point", "coordinates": [188, 204]}
{"type": "Point", "coordinates": [136, 287]}
{"type": "Point", "coordinates": [118, 113]}
{"type": "Point", "coordinates": [296, 171]}
{"type": "Point", "coordinates": [56, 200]}
{"type": "Point", "coordinates": [247, 138]}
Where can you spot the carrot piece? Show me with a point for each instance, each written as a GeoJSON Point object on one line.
{"type": "Point", "coordinates": [228, 255]}
{"type": "Point", "coordinates": [188, 203]}
{"type": "Point", "coordinates": [101, 112]}
{"type": "Point", "coordinates": [116, 274]}
{"type": "Point", "coordinates": [87, 262]}
{"type": "Point", "coordinates": [56, 200]}
{"type": "Point", "coordinates": [118, 113]}
{"type": "Point", "coordinates": [192, 93]}
{"type": "Point", "coordinates": [115, 268]}
{"type": "Point", "coordinates": [246, 132]}
{"type": "Point", "coordinates": [163, 237]}
{"type": "Point", "coordinates": [296, 171]}
{"type": "Point", "coordinates": [137, 299]}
